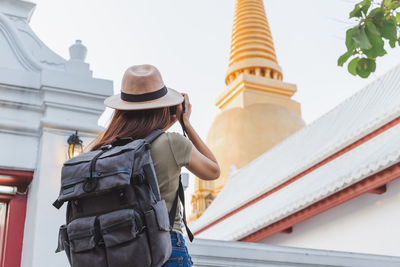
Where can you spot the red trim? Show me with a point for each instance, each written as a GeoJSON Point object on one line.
{"type": "Point", "coordinates": [14, 228]}
{"type": "Point", "coordinates": [355, 190]}
{"type": "Point", "coordinates": [295, 178]}
{"type": "Point", "coordinates": [3, 231]}
{"type": "Point", "coordinates": [287, 230]}
{"type": "Point", "coordinates": [15, 231]}
{"type": "Point", "coordinates": [6, 198]}
{"type": "Point", "coordinates": [15, 177]}
{"type": "Point", "coordinates": [379, 190]}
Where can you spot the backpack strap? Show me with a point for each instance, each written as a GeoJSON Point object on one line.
{"type": "Point", "coordinates": [121, 141]}
{"type": "Point", "coordinates": [152, 180]}
{"type": "Point", "coordinates": [153, 135]}
{"type": "Point", "coordinates": [181, 119]}
{"type": "Point", "coordinates": [181, 194]}
{"type": "Point", "coordinates": [149, 168]}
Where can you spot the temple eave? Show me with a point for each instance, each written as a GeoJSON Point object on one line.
{"type": "Point", "coordinates": [255, 83]}
{"type": "Point", "coordinates": [271, 69]}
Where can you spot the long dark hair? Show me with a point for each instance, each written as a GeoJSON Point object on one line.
{"type": "Point", "coordinates": [132, 123]}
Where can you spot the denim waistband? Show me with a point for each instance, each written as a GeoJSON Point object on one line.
{"type": "Point", "coordinates": [177, 236]}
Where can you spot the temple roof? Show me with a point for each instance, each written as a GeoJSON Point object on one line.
{"type": "Point", "coordinates": [228, 217]}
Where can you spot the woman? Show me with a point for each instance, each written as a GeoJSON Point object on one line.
{"type": "Point", "coordinates": [143, 107]}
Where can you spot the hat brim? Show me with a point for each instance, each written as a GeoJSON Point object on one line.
{"type": "Point", "coordinates": [172, 98]}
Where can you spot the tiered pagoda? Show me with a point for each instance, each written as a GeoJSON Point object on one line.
{"type": "Point", "coordinates": [257, 111]}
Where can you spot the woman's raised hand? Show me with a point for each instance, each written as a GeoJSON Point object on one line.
{"type": "Point", "coordinates": [202, 161]}
{"type": "Point", "coordinates": [188, 109]}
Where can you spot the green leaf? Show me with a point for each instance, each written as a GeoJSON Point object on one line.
{"type": "Point", "coordinates": [395, 5]}
{"type": "Point", "coordinates": [392, 43]}
{"type": "Point", "coordinates": [350, 44]}
{"type": "Point", "coordinates": [387, 3]}
{"type": "Point", "coordinates": [377, 43]}
{"type": "Point", "coordinates": [343, 58]}
{"type": "Point", "coordinates": [352, 67]}
{"type": "Point", "coordinates": [372, 28]}
{"type": "Point", "coordinates": [356, 12]}
{"type": "Point", "coordinates": [377, 16]}
{"type": "Point", "coordinates": [365, 66]}
{"type": "Point", "coordinates": [365, 5]}
{"type": "Point", "coordinates": [361, 38]}
{"type": "Point", "coordinates": [388, 30]}
{"type": "Point", "coordinates": [398, 17]}
{"type": "Point", "coordinates": [371, 65]}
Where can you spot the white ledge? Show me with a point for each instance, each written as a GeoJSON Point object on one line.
{"type": "Point", "coordinates": [213, 253]}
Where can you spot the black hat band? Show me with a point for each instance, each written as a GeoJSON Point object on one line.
{"type": "Point", "coordinates": [144, 97]}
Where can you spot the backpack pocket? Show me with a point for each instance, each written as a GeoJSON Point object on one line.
{"type": "Point", "coordinates": [124, 239]}
{"type": "Point", "coordinates": [74, 187]}
{"type": "Point", "coordinates": [63, 242]}
{"type": "Point", "coordinates": [84, 243]}
{"type": "Point", "coordinates": [158, 229]}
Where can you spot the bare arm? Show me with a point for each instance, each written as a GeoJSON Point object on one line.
{"type": "Point", "coordinates": [202, 161]}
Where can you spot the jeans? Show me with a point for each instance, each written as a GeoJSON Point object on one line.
{"type": "Point", "coordinates": [180, 256]}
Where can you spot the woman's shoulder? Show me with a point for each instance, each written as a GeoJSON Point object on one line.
{"type": "Point", "coordinates": [170, 137]}
{"type": "Point", "coordinates": [171, 140]}
{"type": "Point", "coordinates": [179, 145]}
{"type": "Point", "coordinates": [174, 137]}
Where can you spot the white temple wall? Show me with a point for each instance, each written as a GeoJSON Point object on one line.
{"type": "Point", "coordinates": [41, 223]}
{"type": "Point", "coordinates": [43, 100]}
{"type": "Point", "coordinates": [19, 151]}
{"type": "Point", "coordinates": [42, 219]}
{"type": "Point", "coordinates": [366, 224]}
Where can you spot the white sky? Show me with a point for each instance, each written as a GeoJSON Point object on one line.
{"type": "Point", "coordinates": [189, 42]}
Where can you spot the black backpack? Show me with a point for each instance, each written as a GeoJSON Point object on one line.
{"type": "Point", "coordinates": [115, 215]}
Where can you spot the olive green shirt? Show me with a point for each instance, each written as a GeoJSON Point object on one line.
{"type": "Point", "coordinates": [170, 152]}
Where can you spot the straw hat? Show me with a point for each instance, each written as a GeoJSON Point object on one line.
{"type": "Point", "coordinates": [143, 88]}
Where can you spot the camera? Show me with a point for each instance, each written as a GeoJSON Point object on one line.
{"type": "Point", "coordinates": [172, 110]}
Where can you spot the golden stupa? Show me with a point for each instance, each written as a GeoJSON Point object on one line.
{"type": "Point", "coordinates": [257, 111]}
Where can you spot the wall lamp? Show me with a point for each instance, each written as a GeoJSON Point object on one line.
{"type": "Point", "coordinates": [74, 145]}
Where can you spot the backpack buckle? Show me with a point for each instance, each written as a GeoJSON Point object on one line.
{"type": "Point", "coordinates": [90, 185]}
{"type": "Point", "coordinates": [147, 146]}
{"type": "Point", "coordinates": [139, 178]}
{"type": "Point", "coordinates": [106, 147]}
{"type": "Point", "coordinates": [123, 199]}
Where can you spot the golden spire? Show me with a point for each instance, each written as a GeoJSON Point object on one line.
{"type": "Point", "coordinates": [252, 48]}
{"type": "Point", "coordinates": [257, 111]}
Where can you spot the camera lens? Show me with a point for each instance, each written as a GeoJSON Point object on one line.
{"type": "Point", "coordinates": [172, 110]}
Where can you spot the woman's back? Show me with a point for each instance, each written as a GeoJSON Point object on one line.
{"type": "Point", "coordinates": [170, 152]}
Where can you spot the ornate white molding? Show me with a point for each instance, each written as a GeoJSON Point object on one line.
{"type": "Point", "coordinates": [28, 49]}
{"type": "Point", "coordinates": [11, 35]}
{"type": "Point", "coordinates": [18, 8]}
{"type": "Point", "coordinates": [39, 89]}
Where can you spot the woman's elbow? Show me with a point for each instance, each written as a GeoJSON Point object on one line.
{"type": "Point", "coordinates": [204, 169]}
{"type": "Point", "coordinates": [215, 173]}
{"type": "Point", "coordinates": [209, 173]}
